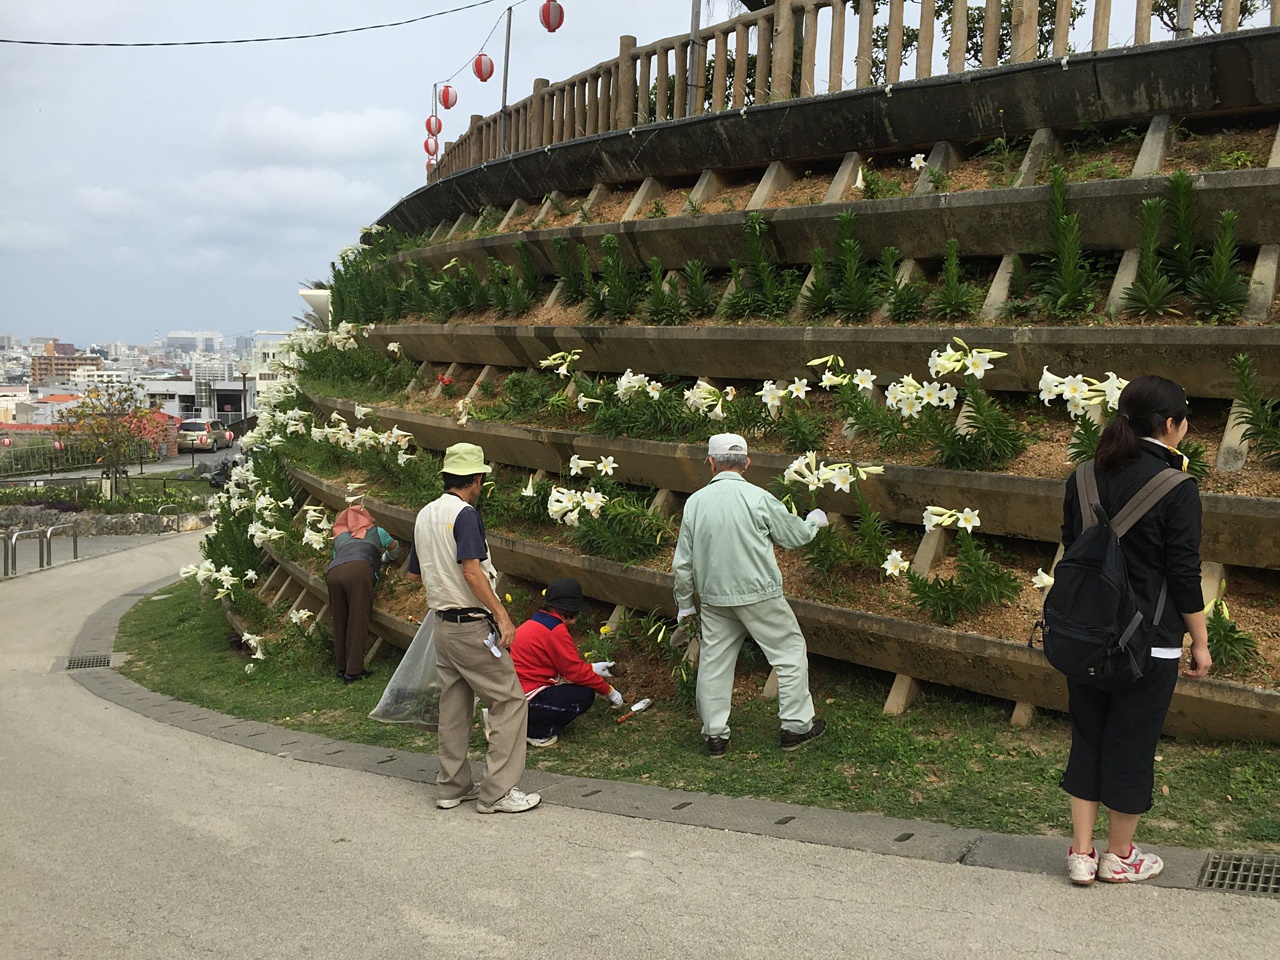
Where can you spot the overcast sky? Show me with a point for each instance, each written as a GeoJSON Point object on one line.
{"type": "Point", "coordinates": [150, 189]}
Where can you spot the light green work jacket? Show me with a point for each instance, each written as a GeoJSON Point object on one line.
{"type": "Point", "coordinates": [725, 550]}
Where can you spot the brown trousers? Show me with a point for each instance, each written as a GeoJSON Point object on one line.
{"type": "Point", "coordinates": [350, 604]}
{"type": "Point", "coordinates": [468, 670]}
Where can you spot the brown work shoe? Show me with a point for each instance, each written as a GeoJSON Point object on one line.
{"type": "Point", "coordinates": [717, 747]}
{"type": "Point", "coordinates": [794, 741]}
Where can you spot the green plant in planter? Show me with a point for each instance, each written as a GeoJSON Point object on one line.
{"type": "Point", "coordinates": [1228, 644]}
{"type": "Point", "coordinates": [866, 541]}
{"type": "Point", "coordinates": [699, 295]}
{"type": "Point", "coordinates": [1068, 288]}
{"type": "Point", "coordinates": [574, 277]}
{"type": "Point", "coordinates": [904, 300]}
{"type": "Point", "coordinates": [618, 293]}
{"type": "Point", "coordinates": [815, 298]}
{"type": "Point", "coordinates": [1152, 293]}
{"type": "Point", "coordinates": [1183, 259]}
{"type": "Point", "coordinates": [1084, 439]}
{"type": "Point", "coordinates": [990, 439]}
{"type": "Point", "coordinates": [1260, 416]}
{"type": "Point", "coordinates": [881, 423]}
{"type": "Point", "coordinates": [760, 287]}
{"type": "Point", "coordinates": [955, 300]}
{"type": "Point", "coordinates": [1219, 292]}
{"type": "Point", "coordinates": [979, 580]}
{"type": "Point", "coordinates": [663, 305]}
{"type": "Point", "coordinates": [1197, 457]}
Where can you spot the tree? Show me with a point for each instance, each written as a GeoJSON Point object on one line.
{"type": "Point", "coordinates": [113, 419]}
{"type": "Point", "coordinates": [1208, 12]}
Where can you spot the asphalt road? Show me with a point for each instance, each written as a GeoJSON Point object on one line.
{"type": "Point", "coordinates": [124, 837]}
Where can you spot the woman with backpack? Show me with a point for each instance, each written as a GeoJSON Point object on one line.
{"type": "Point", "coordinates": [1114, 734]}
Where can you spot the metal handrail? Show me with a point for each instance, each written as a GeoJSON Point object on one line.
{"type": "Point", "coordinates": [13, 548]}
{"type": "Point", "coordinates": [48, 542]}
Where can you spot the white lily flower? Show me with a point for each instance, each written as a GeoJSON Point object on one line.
{"type": "Point", "coordinates": [716, 412]}
{"type": "Point", "coordinates": [393, 347]}
{"type": "Point", "coordinates": [977, 364]}
{"type": "Point", "coordinates": [830, 380]}
{"type": "Point", "coordinates": [571, 518]}
{"type": "Point", "coordinates": [1073, 386]}
{"type": "Point", "coordinates": [910, 407]}
{"type": "Point", "coordinates": [1042, 580]}
{"type": "Point", "coordinates": [864, 378]}
{"type": "Point", "coordinates": [593, 500]}
{"type": "Point", "coordinates": [299, 617]}
{"type": "Point", "coordinates": [968, 519]}
{"type": "Point", "coordinates": [1075, 406]}
{"type": "Point", "coordinates": [948, 396]}
{"type": "Point", "coordinates": [528, 490]}
{"type": "Point", "coordinates": [606, 466]}
{"type": "Point", "coordinates": [918, 162]}
{"type": "Point", "coordinates": [577, 465]}
{"type": "Point", "coordinates": [730, 393]}
{"type": "Point", "coordinates": [653, 388]}
{"type": "Point", "coordinates": [362, 412]}
{"type": "Point", "coordinates": [894, 564]}
{"type": "Point", "coordinates": [1111, 388]}
{"type": "Point", "coordinates": [864, 472]}
{"type": "Point", "coordinates": [188, 570]}
{"type": "Point", "coordinates": [931, 393]}
{"type": "Point", "coordinates": [798, 388]}
{"type": "Point", "coordinates": [314, 539]}
{"type": "Point", "coordinates": [840, 477]}
{"type": "Point", "coordinates": [584, 401]}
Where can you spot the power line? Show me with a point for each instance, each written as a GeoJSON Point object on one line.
{"type": "Point", "coordinates": [207, 43]}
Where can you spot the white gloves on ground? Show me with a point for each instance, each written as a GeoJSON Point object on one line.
{"type": "Point", "coordinates": [615, 697]}
{"type": "Point", "coordinates": [601, 667]}
{"type": "Point", "coordinates": [819, 517]}
{"type": "Point", "coordinates": [684, 612]}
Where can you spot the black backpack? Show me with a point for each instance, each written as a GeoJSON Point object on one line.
{"type": "Point", "coordinates": [1093, 630]}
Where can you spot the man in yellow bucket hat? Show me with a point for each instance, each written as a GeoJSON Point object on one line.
{"type": "Point", "coordinates": [472, 634]}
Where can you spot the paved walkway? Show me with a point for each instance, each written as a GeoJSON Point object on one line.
{"type": "Point", "coordinates": [124, 837]}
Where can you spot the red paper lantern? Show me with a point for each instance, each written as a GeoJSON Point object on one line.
{"type": "Point", "coordinates": [57, 445]}
{"type": "Point", "coordinates": [431, 145]}
{"type": "Point", "coordinates": [448, 97]}
{"type": "Point", "coordinates": [7, 441]}
{"type": "Point", "coordinates": [551, 15]}
{"type": "Point", "coordinates": [231, 437]}
{"type": "Point", "coordinates": [434, 125]}
{"type": "Point", "coordinates": [203, 440]}
{"type": "Point", "coordinates": [482, 66]}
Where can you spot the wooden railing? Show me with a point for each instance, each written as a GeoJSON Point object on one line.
{"type": "Point", "coordinates": [769, 55]}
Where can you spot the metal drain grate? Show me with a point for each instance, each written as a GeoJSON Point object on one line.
{"type": "Point", "coordinates": [93, 660]}
{"type": "Point", "coordinates": [1241, 873]}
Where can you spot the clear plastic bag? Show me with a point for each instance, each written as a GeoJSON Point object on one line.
{"type": "Point", "coordinates": [413, 695]}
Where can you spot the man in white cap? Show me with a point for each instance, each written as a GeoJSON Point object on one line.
{"type": "Point", "coordinates": [725, 554]}
{"type": "Point", "coordinates": [472, 631]}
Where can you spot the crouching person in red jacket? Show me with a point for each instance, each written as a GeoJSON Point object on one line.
{"type": "Point", "coordinates": [557, 682]}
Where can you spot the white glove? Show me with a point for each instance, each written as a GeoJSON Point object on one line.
{"type": "Point", "coordinates": [601, 667]}
{"type": "Point", "coordinates": [615, 697]}
{"type": "Point", "coordinates": [684, 612]}
{"type": "Point", "coordinates": [819, 517]}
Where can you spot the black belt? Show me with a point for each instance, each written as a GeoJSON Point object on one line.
{"type": "Point", "coordinates": [464, 614]}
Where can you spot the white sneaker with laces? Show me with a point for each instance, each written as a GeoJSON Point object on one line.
{"type": "Point", "coordinates": [471, 794]}
{"type": "Point", "coordinates": [550, 741]}
{"type": "Point", "coordinates": [516, 801]}
{"type": "Point", "coordinates": [1082, 868]}
{"type": "Point", "coordinates": [1113, 868]}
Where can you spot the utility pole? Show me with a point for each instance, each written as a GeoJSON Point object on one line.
{"type": "Point", "coordinates": [695, 82]}
{"type": "Point", "coordinates": [506, 69]}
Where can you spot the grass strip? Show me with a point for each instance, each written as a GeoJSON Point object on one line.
{"type": "Point", "coordinates": [952, 758]}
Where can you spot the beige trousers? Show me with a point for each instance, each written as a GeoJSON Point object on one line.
{"type": "Point", "coordinates": [468, 669]}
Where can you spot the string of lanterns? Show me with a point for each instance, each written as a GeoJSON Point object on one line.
{"type": "Point", "coordinates": [550, 15]}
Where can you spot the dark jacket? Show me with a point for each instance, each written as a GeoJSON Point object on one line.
{"type": "Point", "coordinates": [1162, 547]}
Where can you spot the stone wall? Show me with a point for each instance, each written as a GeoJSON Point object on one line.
{"type": "Point", "coordinates": [87, 524]}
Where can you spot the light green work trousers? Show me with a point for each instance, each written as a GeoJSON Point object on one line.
{"type": "Point", "coordinates": [773, 626]}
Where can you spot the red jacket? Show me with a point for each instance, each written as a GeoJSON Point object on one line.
{"type": "Point", "coordinates": [543, 653]}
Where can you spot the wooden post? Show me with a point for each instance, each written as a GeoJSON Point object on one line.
{"type": "Point", "coordinates": [835, 65]}
{"type": "Point", "coordinates": [1231, 15]}
{"type": "Point", "coordinates": [624, 104]}
{"type": "Point", "coordinates": [720, 71]}
{"type": "Point", "coordinates": [764, 57]}
{"type": "Point", "coordinates": [592, 94]}
{"type": "Point", "coordinates": [662, 97]}
{"type": "Point", "coordinates": [866, 26]}
{"type": "Point", "coordinates": [741, 39]}
{"type": "Point", "coordinates": [960, 37]}
{"type": "Point", "coordinates": [698, 82]}
{"type": "Point", "coordinates": [642, 93]}
{"type": "Point", "coordinates": [537, 112]}
{"type": "Point", "coordinates": [809, 53]}
{"type": "Point", "coordinates": [991, 34]}
{"type": "Point", "coordinates": [680, 102]}
{"type": "Point", "coordinates": [893, 52]}
{"type": "Point", "coordinates": [1141, 23]}
{"type": "Point", "coordinates": [924, 42]}
{"type": "Point", "coordinates": [1101, 24]}
{"type": "Point", "coordinates": [784, 22]}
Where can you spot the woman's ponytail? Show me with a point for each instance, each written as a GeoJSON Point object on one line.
{"type": "Point", "coordinates": [1145, 405]}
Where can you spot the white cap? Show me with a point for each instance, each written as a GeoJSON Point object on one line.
{"type": "Point", "coordinates": [726, 443]}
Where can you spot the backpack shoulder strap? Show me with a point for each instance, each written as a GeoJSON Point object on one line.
{"type": "Point", "coordinates": [1087, 492]}
{"type": "Point", "coordinates": [1152, 492]}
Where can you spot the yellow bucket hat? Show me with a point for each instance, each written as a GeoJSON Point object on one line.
{"type": "Point", "coordinates": [465, 460]}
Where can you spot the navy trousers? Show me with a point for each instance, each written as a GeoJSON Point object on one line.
{"type": "Point", "coordinates": [556, 707]}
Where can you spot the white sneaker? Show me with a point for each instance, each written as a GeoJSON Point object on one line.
{"type": "Point", "coordinates": [516, 801]}
{"type": "Point", "coordinates": [1082, 868]}
{"type": "Point", "coordinates": [471, 794]}
{"type": "Point", "coordinates": [1137, 866]}
{"type": "Point", "coordinates": [550, 741]}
